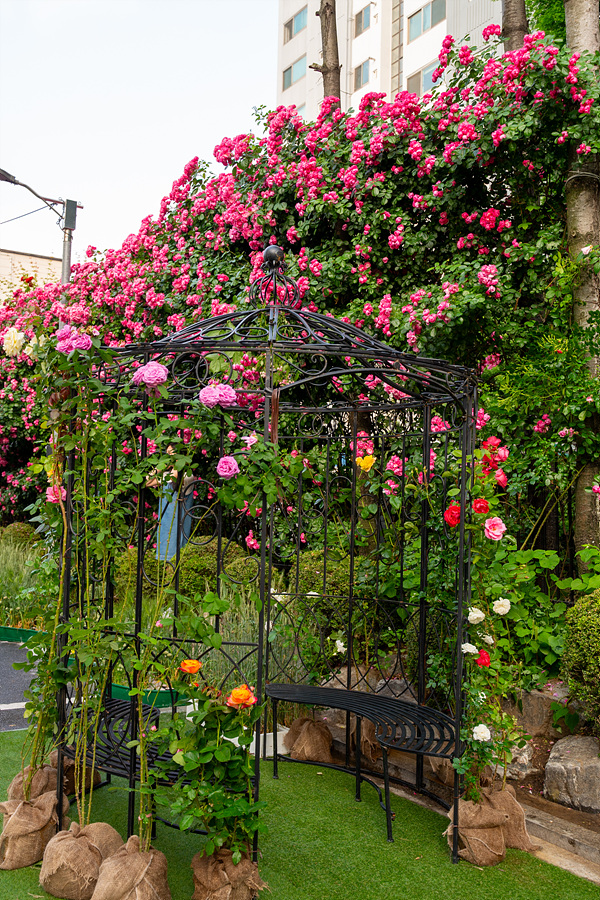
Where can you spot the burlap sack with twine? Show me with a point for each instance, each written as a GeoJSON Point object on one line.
{"type": "Point", "coordinates": [130, 874]}
{"type": "Point", "coordinates": [309, 740]}
{"type": "Point", "coordinates": [480, 833]}
{"type": "Point", "coordinates": [217, 878]}
{"type": "Point", "coordinates": [92, 776]}
{"type": "Point", "coordinates": [514, 828]}
{"type": "Point", "coordinates": [370, 748]}
{"type": "Point", "coordinates": [42, 782]}
{"type": "Point", "coordinates": [28, 826]}
{"type": "Point", "coordinates": [73, 858]}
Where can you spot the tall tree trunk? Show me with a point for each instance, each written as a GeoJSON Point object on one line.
{"type": "Point", "coordinates": [514, 23]}
{"type": "Point", "coordinates": [582, 190]}
{"type": "Point", "coordinates": [330, 67]}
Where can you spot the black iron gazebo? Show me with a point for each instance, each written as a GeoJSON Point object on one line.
{"type": "Point", "coordinates": [363, 583]}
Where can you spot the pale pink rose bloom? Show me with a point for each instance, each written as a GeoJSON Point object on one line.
{"type": "Point", "coordinates": [250, 441]}
{"type": "Point", "coordinates": [151, 375]}
{"type": "Point", "coordinates": [227, 467]}
{"type": "Point", "coordinates": [227, 395]}
{"type": "Point", "coordinates": [494, 528]}
{"type": "Point", "coordinates": [209, 396]}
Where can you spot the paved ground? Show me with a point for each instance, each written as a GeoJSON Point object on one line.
{"type": "Point", "coordinates": [12, 685]}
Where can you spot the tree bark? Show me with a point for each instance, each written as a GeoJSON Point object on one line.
{"type": "Point", "coordinates": [330, 67]}
{"type": "Point", "coordinates": [514, 23]}
{"type": "Point", "coordinates": [582, 191]}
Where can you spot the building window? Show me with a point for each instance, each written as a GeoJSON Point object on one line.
{"type": "Point", "coordinates": [422, 81]}
{"type": "Point", "coordinates": [362, 20]}
{"type": "Point", "coordinates": [301, 110]}
{"type": "Point", "coordinates": [426, 18]}
{"type": "Point", "coordinates": [295, 24]}
{"type": "Point", "coordinates": [294, 73]}
{"type": "Point", "coordinates": [361, 75]}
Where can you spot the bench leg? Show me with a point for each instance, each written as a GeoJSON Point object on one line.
{"type": "Point", "coordinates": [357, 753]}
{"type": "Point", "coordinates": [275, 761]}
{"type": "Point", "coordinates": [386, 786]}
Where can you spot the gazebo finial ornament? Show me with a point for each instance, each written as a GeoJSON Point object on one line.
{"type": "Point", "coordinates": [275, 288]}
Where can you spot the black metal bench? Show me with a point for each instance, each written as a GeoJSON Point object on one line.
{"type": "Point", "coordinates": [398, 726]}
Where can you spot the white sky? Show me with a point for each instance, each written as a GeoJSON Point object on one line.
{"type": "Point", "coordinates": [105, 101]}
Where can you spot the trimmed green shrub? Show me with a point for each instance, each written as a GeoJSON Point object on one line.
{"type": "Point", "coordinates": [21, 534]}
{"type": "Point", "coordinates": [310, 575]}
{"type": "Point", "coordinates": [581, 659]}
{"type": "Point", "coordinates": [197, 571]}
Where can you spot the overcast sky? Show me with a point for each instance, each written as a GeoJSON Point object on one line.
{"type": "Point", "coordinates": [105, 101]}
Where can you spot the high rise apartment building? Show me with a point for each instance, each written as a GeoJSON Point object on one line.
{"type": "Point", "coordinates": [385, 46]}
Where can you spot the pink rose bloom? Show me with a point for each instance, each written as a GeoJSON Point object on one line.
{"type": "Point", "coordinates": [209, 396]}
{"type": "Point", "coordinates": [227, 467]}
{"type": "Point", "coordinates": [151, 375]}
{"type": "Point", "coordinates": [82, 342]}
{"type": "Point", "coordinates": [250, 441]}
{"type": "Point", "coordinates": [502, 454]}
{"type": "Point", "coordinates": [65, 346]}
{"type": "Point", "coordinates": [596, 489]}
{"type": "Point", "coordinates": [65, 332]}
{"type": "Point", "coordinates": [55, 492]}
{"type": "Point", "coordinates": [501, 479]}
{"type": "Point", "coordinates": [494, 528]}
{"type": "Point", "coordinates": [227, 395]}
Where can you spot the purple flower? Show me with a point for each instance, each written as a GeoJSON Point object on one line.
{"type": "Point", "coordinates": [227, 467]}
{"type": "Point", "coordinates": [151, 375]}
{"type": "Point", "coordinates": [218, 394]}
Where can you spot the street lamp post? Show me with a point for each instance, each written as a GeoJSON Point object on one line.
{"type": "Point", "coordinates": [69, 219]}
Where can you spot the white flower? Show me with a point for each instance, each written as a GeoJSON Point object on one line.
{"type": "Point", "coordinates": [469, 648]}
{"type": "Point", "coordinates": [340, 647]}
{"type": "Point", "coordinates": [34, 346]}
{"type": "Point", "coordinates": [501, 606]}
{"type": "Point", "coordinates": [482, 733]}
{"type": "Point", "coordinates": [475, 615]}
{"type": "Point", "coordinates": [488, 639]}
{"type": "Point", "coordinates": [13, 342]}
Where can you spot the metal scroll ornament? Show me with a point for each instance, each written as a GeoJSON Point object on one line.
{"type": "Point", "coordinates": [275, 288]}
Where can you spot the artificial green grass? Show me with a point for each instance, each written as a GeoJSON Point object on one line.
{"type": "Point", "coordinates": [322, 845]}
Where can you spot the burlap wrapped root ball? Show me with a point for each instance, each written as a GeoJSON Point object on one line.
{"type": "Point", "coordinates": [480, 833]}
{"type": "Point", "coordinates": [514, 827]}
{"type": "Point", "coordinates": [28, 827]}
{"type": "Point", "coordinates": [131, 874]}
{"type": "Point", "coordinates": [43, 781]}
{"type": "Point", "coordinates": [307, 739]}
{"type": "Point", "coordinates": [217, 878]}
{"type": "Point", "coordinates": [72, 859]}
{"type": "Point", "coordinates": [92, 776]}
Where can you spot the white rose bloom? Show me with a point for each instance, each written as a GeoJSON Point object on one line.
{"type": "Point", "coordinates": [488, 639]}
{"type": "Point", "coordinates": [13, 342]}
{"type": "Point", "coordinates": [501, 606]}
{"type": "Point", "coordinates": [469, 648]}
{"type": "Point", "coordinates": [475, 615]}
{"type": "Point", "coordinates": [340, 647]}
{"type": "Point", "coordinates": [481, 733]}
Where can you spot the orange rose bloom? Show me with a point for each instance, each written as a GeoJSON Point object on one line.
{"type": "Point", "coordinates": [190, 666]}
{"type": "Point", "coordinates": [241, 696]}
